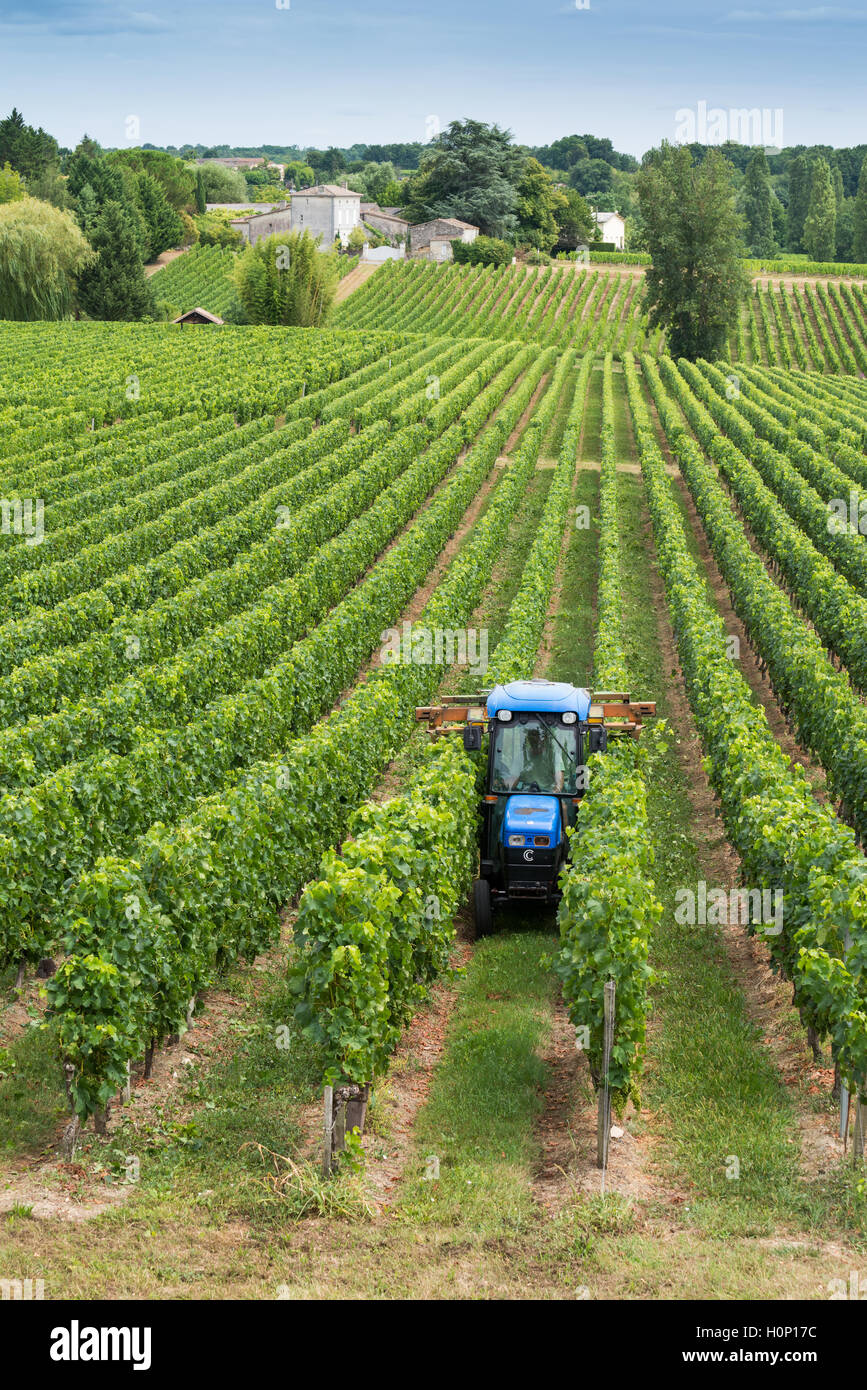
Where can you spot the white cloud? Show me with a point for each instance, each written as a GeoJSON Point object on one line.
{"type": "Point", "coordinates": [818, 14]}
{"type": "Point", "coordinates": [82, 19]}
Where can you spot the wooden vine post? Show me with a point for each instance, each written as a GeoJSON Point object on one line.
{"type": "Point", "coordinates": [603, 1114]}
{"type": "Point", "coordinates": [846, 1098]}
{"type": "Point", "coordinates": [858, 1130]}
{"type": "Point", "coordinates": [327, 1129]}
{"type": "Point", "coordinates": [844, 1115]}
{"type": "Point", "coordinates": [345, 1109]}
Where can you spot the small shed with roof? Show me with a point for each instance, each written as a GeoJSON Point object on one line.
{"type": "Point", "coordinates": [198, 316]}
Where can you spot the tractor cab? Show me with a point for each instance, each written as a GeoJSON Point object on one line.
{"type": "Point", "coordinates": [537, 750]}
{"type": "Point", "coordinates": [540, 735]}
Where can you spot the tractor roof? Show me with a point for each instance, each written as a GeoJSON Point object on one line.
{"type": "Point", "coordinates": [538, 695]}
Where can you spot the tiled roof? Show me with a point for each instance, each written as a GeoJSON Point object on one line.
{"type": "Point", "coordinates": [212, 318]}
{"type": "Point", "coordinates": [327, 190]}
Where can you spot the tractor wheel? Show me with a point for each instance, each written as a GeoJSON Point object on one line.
{"type": "Point", "coordinates": [482, 907]}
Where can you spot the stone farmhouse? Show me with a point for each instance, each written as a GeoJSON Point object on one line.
{"type": "Point", "coordinates": [326, 211]}
{"type": "Point", "coordinates": [330, 212]}
{"type": "Point", "coordinates": [387, 221]}
{"type": "Point", "coordinates": [433, 240]}
{"type": "Point", "coordinates": [272, 221]}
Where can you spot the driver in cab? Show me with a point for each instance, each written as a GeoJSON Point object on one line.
{"type": "Point", "coordinates": [527, 759]}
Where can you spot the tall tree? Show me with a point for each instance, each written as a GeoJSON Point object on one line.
{"type": "Point", "coordinates": [51, 187]}
{"type": "Point", "coordinates": [96, 180]}
{"type": "Point", "coordinates": [115, 287]}
{"type": "Point", "coordinates": [837, 179]}
{"type": "Point", "coordinates": [333, 163]}
{"type": "Point", "coordinates": [821, 224]}
{"type": "Point", "coordinates": [845, 231]}
{"type": "Point", "coordinates": [87, 209]}
{"type": "Point", "coordinates": [88, 165]}
{"type": "Point", "coordinates": [29, 151]}
{"type": "Point", "coordinates": [778, 220]}
{"type": "Point", "coordinates": [591, 176]}
{"type": "Point", "coordinates": [177, 178]}
{"type": "Point", "coordinates": [562, 153]}
{"type": "Point", "coordinates": [42, 250]}
{"type": "Point", "coordinates": [163, 224]}
{"type": "Point", "coordinates": [299, 174]}
{"type": "Point", "coordinates": [859, 249]}
{"type": "Point", "coordinates": [379, 179]}
{"type": "Point", "coordinates": [757, 206]}
{"type": "Point", "coordinates": [537, 204]}
{"type": "Point", "coordinates": [201, 201]}
{"type": "Point", "coordinates": [470, 171]}
{"type": "Point", "coordinates": [222, 184]}
{"type": "Point", "coordinates": [799, 202]}
{"type": "Point", "coordinates": [696, 281]}
{"type": "Point", "coordinates": [575, 223]}
{"type": "Point", "coordinates": [11, 185]}
{"type": "Point", "coordinates": [286, 280]}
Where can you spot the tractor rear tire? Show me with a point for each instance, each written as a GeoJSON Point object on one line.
{"type": "Point", "coordinates": [482, 912]}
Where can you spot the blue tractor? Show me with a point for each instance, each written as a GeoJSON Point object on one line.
{"type": "Point", "coordinates": [540, 734]}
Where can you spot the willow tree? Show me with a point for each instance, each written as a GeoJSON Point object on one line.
{"type": "Point", "coordinates": [696, 281]}
{"type": "Point", "coordinates": [42, 251]}
{"type": "Point", "coordinates": [286, 280]}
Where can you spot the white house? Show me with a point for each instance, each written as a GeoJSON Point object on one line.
{"type": "Point", "coordinates": [326, 211]}
{"type": "Point", "coordinates": [611, 228]}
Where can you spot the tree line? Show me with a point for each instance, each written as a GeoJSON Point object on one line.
{"type": "Point", "coordinates": [78, 227]}
{"type": "Point", "coordinates": [774, 189]}
{"type": "Point", "coordinates": [819, 219]}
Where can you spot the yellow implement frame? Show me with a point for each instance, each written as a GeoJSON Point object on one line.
{"type": "Point", "coordinates": [616, 710]}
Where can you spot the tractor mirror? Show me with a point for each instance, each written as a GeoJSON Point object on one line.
{"type": "Point", "coordinates": [472, 738]}
{"type": "Point", "coordinates": [598, 738]}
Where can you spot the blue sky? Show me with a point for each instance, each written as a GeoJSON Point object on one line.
{"type": "Point", "coordinates": [321, 72]}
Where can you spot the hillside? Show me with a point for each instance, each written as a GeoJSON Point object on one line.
{"type": "Point", "coordinates": [815, 325]}
{"type": "Point", "coordinates": [196, 709]}
{"type": "Point", "coordinates": [200, 279]}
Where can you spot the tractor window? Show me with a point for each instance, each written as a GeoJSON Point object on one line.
{"type": "Point", "coordinates": [535, 757]}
